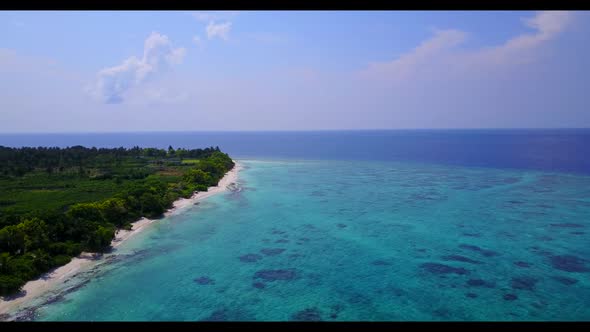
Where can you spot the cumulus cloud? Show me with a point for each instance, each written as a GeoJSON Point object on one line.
{"type": "Point", "coordinates": [220, 30]}
{"type": "Point", "coordinates": [440, 51]}
{"type": "Point", "coordinates": [443, 40]}
{"type": "Point", "coordinates": [548, 24]}
{"type": "Point", "coordinates": [445, 82]}
{"type": "Point", "coordinates": [158, 56]}
{"type": "Point", "coordinates": [214, 29]}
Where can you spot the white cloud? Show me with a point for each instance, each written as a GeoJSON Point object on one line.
{"type": "Point", "coordinates": [214, 29]}
{"type": "Point", "coordinates": [440, 53]}
{"type": "Point", "coordinates": [441, 82]}
{"type": "Point", "coordinates": [406, 64]}
{"type": "Point", "coordinates": [176, 56]}
{"type": "Point", "coordinates": [548, 24]}
{"type": "Point", "coordinates": [220, 30]}
{"type": "Point", "coordinates": [158, 55]}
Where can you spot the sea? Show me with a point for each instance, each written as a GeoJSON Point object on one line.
{"type": "Point", "coordinates": [383, 225]}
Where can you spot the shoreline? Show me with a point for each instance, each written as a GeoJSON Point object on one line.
{"type": "Point", "coordinates": [38, 287]}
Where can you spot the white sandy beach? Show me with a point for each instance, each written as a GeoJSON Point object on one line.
{"type": "Point", "coordinates": [35, 288]}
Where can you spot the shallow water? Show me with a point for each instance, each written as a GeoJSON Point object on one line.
{"type": "Point", "coordinates": [356, 240]}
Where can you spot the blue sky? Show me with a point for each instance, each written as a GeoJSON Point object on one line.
{"type": "Point", "coordinates": [272, 70]}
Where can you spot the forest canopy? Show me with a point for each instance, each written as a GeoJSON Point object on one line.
{"type": "Point", "coordinates": [58, 202]}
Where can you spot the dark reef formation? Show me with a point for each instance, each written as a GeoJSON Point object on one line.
{"type": "Point", "coordinates": [437, 268]}
{"type": "Point", "coordinates": [485, 252]}
{"type": "Point", "coordinates": [309, 314]}
{"type": "Point", "coordinates": [250, 258]}
{"type": "Point", "coordinates": [569, 263]}
{"type": "Point", "coordinates": [567, 225]}
{"type": "Point", "coordinates": [459, 258]}
{"type": "Point", "coordinates": [565, 280]}
{"type": "Point", "coordinates": [259, 285]}
{"type": "Point", "coordinates": [204, 281]}
{"type": "Point", "coordinates": [274, 275]}
{"type": "Point", "coordinates": [272, 251]}
{"type": "Point", "coordinates": [480, 283]}
{"type": "Point", "coordinates": [524, 283]}
{"type": "Point", "coordinates": [522, 264]}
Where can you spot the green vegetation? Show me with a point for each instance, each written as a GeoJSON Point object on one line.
{"type": "Point", "coordinates": [190, 161]}
{"type": "Point", "coordinates": [56, 203]}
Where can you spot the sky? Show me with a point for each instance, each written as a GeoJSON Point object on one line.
{"type": "Point", "coordinates": [292, 70]}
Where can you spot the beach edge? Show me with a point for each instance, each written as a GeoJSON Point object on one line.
{"type": "Point", "coordinates": [38, 287]}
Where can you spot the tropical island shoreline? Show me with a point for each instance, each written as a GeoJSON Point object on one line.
{"type": "Point", "coordinates": [38, 287]}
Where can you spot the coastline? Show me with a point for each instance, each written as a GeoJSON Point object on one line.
{"type": "Point", "coordinates": [35, 288]}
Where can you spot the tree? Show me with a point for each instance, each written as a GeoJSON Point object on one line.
{"type": "Point", "coordinates": [33, 242]}
{"type": "Point", "coordinates": [42, 261]}
{"type": "Point", "coordinates": [197, 176]}
{"type": "Point", "coordinates": [151, 206]}
{"type": "Point", "coordinates": [10, 284]}
{"type": "Point", "coordinates": [85, 211]}
{"type": "Point", "coordinates": [36, 233]}
{"type": "Point", "coordinates": [12, 240]}
{"type": "Point", "coordinates": [101, 239]}
{"type": "Point", "coordinates": [114, 211]}
{"type": "Point", "coordinates": [215, 170]}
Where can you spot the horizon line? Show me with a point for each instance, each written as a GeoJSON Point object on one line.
{"type": "Point", "coordinates": [285, 130]}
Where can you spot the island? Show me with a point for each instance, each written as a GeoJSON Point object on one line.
{"type": "Point", "coordinates": [56, 203]}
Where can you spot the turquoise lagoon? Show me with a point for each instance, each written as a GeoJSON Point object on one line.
{"type": "Point", "coordinates": [353, 240]}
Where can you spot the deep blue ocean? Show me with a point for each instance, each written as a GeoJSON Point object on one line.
{"type": "Point", "coordinates": [564, 150]}
{"type": "Point", "coordinates": [427, 225]}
